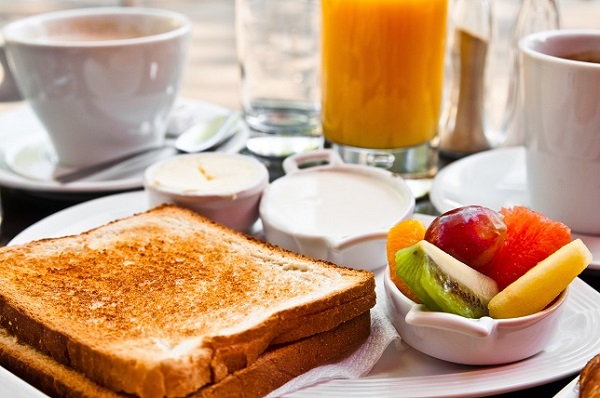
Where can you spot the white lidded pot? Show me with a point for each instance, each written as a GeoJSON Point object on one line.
{"type": "Point", "coordinates": [326, 209]}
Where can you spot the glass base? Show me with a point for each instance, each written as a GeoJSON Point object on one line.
{"type": "Point", "coordinates": [281, 146]}
{"type": "Point", "coordinates": [282, 117]}
{"type": "Point", "coordinates": [282, 128]}
{"type": "Point", "coordinates": [415, 162]}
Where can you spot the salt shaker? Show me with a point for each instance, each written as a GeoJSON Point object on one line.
{"type": "Point", "coordinates": [533, 16]}
{"type": "Point", "coordinates": [462, 130]}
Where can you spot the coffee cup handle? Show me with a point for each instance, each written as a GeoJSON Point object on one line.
{"type": "Point", "coordinates": [8, 87]}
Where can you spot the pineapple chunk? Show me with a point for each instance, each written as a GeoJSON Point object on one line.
{"type": "Point", "coordinates": [533, 291]}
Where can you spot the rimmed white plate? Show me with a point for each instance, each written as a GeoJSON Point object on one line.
{"type": "Point", "coordinates": [495, 179]}
{"type": "Point", "coordinates": [571, 390]}
{"type": "Point", "coordinates": [406, 372]}
{"type": "Point", "coordinates": [12, 386]}
{"type": "Point", "coordinates": [27, 161]}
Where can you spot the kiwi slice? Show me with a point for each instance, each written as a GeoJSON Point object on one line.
{"type": "Point", "coordinates": [410, 268]}
{"type": "Point", "coordinates": [443, 283]}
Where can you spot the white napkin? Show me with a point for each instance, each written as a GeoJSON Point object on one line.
{"type": "Point", "coordinates": [359, 363]}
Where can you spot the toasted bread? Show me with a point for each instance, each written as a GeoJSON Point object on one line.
{"type": "Point", "coordinates": [166, 302]}
{"type": "Point", "coordinates": [589, 378]}
{"type": "Point", "coordinates": [275, 367]}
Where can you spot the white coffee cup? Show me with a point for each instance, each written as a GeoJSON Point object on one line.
{"type": "Point", "coordinates": [562, 126]}
{"type": "Point", "coordinates": [101, 80]}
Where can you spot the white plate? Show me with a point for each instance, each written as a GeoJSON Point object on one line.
{"type": "Point", "coordinates": [571, 390]}
{"type": "Point", "coordinates": [27, 162]}
{"type": "Point", "coordinates": [408, 372]}
{"type": "Point", "coordinates": [495, 179]}
{"type": "Point", "coordinates": [11, 386]}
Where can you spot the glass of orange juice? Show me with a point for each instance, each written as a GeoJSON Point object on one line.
{"type": "Point", "coordinates": [382, 81]}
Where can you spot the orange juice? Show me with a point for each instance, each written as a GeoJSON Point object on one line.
{"type": "Point", "coordinates": [382, 73]}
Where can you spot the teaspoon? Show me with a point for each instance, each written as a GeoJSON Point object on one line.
{"type": "Point", "coordinates": [199, 137]}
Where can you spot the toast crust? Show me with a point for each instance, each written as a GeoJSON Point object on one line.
{"type": "Point", "coordinates": [180, 302]}
{"type": "Point", "coordinates": [589, 378]}
{"type": "Point", "coordinates": [275, 367]}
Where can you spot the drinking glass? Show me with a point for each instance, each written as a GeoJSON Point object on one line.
{"type": "Point", "coordinates": [278, 51]}
{"type": "Point", "coordinates": [382, 78]}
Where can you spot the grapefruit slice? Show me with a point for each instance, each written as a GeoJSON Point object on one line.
{"type": "Point", "coordinates": [530, 238]}
{"type": "Point", "coordinates": [404, 234]}
{"type": "Point", "coordinates": [533, 291]}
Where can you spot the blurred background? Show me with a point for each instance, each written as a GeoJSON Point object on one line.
{"type": "Point", "coordinates": [212, 72]}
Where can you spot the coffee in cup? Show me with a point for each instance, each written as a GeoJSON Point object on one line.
{"type": "Point", "coordinates": [585, 56]}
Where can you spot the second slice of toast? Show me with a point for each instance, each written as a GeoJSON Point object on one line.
{"type": "Point", "coordinates": [276, 366]}
{"type": "Point", "coordinates": [165, 302]}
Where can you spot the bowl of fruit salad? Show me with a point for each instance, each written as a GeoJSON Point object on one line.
{"type": "Point", "coordinates": [480, 287]}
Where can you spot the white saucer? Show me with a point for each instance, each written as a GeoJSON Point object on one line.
{"type": "Point", "coordinates": [408, 371]}
{"type": "Point", "coordinates": [495, 179]}
{"type": "Point", "coordinates": [27, 160]}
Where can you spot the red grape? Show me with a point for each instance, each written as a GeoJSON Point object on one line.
{"type": "Point", "coordinates": [471, 234]}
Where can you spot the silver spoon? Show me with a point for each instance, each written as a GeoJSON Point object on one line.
{"type": "Point", "coordinates": [199, 137]}
{"type": "Point", "coordinates": [205, 135]}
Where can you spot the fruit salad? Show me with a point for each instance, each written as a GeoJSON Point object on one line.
{"type": "Point", "coordinates": [475, 262]}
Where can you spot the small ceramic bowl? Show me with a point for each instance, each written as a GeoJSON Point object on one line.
{"type": "Point", "coordinates": [223, 187]}
{"type": "Point", "coordinates": [483, 341]}
{"type": "Point", "coordinates": [334, 211]}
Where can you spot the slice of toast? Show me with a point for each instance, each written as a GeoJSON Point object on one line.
{"type": "Point", "coordinates": [275, 367]}
{"type": "Point", "coordinates": [165, 302]}
{"type": "Point", "coordinates": [589, 378]}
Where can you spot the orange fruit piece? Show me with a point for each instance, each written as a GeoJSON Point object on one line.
{"type": "Point", "coordinates": [530, 238]}
{"type": "Point", "coordinates": [404, 234]}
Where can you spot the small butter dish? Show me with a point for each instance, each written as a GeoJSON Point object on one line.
{"type": "Point", "coordinates": [223, 187]}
